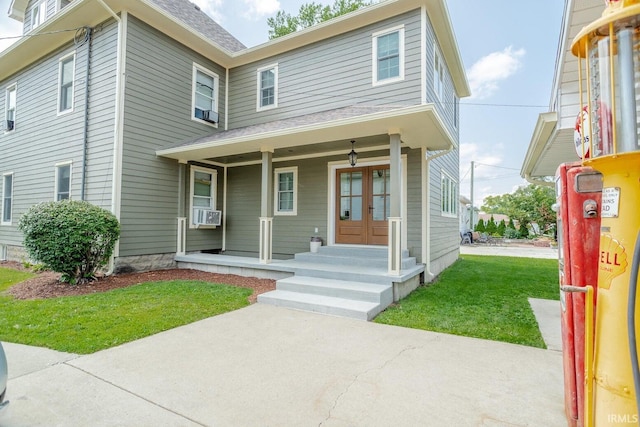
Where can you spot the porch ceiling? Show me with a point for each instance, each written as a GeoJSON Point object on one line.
{"type": "Point", "coordinates": [327, 131]}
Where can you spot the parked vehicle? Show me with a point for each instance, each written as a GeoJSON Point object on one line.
{"type": "Point", "coordinates": [3, 378]}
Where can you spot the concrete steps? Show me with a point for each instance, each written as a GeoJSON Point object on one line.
{"type": "Point", "coordinates": [341, 281]}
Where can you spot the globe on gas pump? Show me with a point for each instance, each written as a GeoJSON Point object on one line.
{"type": "Point", "coordinates": [608, 52]}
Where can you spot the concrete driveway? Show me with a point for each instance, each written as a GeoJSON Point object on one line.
{"type": "Point", "coordinates": [270, 366]}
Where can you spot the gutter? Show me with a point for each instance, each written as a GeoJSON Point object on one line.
{"type": "Point", "coordinates": [426, 207]}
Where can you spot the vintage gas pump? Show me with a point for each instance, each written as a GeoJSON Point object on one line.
{"type": "Point", "coordinates": [578, 197]}
{"type": "Point", "coordinates": [608, 52]}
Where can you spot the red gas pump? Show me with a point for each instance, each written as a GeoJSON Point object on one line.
{"type": "Point", "coordinates": [578, 197]}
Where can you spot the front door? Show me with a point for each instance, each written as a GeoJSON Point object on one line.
{"type": "Point", "coordinates": [363, 205]}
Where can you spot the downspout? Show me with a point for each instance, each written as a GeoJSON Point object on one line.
{"type": "Point", "coordinates": [117, 149]}
{"type": "Point", "coordinates": [85, 126]}
{"type": "Point", "coordinates": [426, 208]}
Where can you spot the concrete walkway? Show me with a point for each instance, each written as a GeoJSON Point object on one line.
{"type": "Point", "coordinates": [269, 366]}
{"type": "Point", "coordinates": [510, 250]}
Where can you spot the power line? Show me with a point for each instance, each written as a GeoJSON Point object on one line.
{"type": "Point", "coordinates": [499, 167]}
{"type": "Point", "coordinates": [480, 104]}
{"type": "Point", "coordinates": [39, 34]}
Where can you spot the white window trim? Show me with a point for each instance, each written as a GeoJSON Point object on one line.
{"type": "Point", "coordinates": [2, 221]}
{"type": "Point", "coordinates": [216, 85]}
{"type": "Point", "coordinates": [13, 86]}
{"type": "Point", "coordinates": [276, 205]}
{"type": "Point", "coordinates": [453, 198]}
{"type": "Point", "coordinates": [374, 55]}
{"type": "Point", "coordinates": [42, 14]}
{"type": "Point", "coordinates": [438, 84]}
{"type": "Point", "coordinates": [57, 170]}
{"type": "Point", "coordinates": [73, 83]}
{"type": "Point", "coordinates": [214, 192]}
{"type": "Point", "coordinates": [259, 89]}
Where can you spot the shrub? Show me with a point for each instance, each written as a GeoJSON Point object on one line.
{"type": "Point", "coordinates": [480, 226]}
{"type": "Point", "coordinates": [71, 237]}
{"type": "Point", "coordinates": [511, 233]}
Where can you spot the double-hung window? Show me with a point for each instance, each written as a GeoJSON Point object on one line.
{"type": "Point", "coordinates": [203, 193]}
{"type": "Point", "coordinates": [438, 75]}
{"type": "Point", "coordinates": [388, 55]}
{"type": "Point", "coordinates": [38, 14]}
{"type": "Point", "coordinates": [286, 191]}
{"type": "Point", "coordinates": [63, 181]}
{"type": "Point", "coordinates": [205, 95]}
{"type": "Point", "coordinates": [7, 198]}
{"type": "Point", "coordinates": [449, 196]}
{"type": "Point", "coordinates": [65, 83]}
{"type": "Point", "coordinates": [10, 108]}
{"type": "Point", "coordinates": [267, 87]}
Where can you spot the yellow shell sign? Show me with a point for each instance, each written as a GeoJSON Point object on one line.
{"type": "Point", "coordinates": [613, 261]}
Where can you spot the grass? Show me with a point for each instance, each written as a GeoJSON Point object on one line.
{"type": "Point", "coordinates": [9, 277]}
{"type": "Point", "coordinates": [88, 323]}
{"type": "Point", "coordinates": [482, 297]}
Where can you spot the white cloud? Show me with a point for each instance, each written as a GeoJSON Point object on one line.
{"type": "Point", "coordinates": [9, 28]}
{"type": "Point", "coordinates": [256, 9]}
{"type": "Point", "coordinates": [486, 74]}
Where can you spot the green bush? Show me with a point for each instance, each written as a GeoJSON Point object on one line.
{"type": "Point", "coordinates": [511, 233]}
{"type": "Point", "coordinates": [71, 237]}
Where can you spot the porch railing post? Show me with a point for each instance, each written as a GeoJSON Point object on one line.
{"type": "Point", "coordinates": [181, 244]}
{"type": "Point", "coordinates": [395, 245]}
{"type": "Point", "coordinates": [266, 227]}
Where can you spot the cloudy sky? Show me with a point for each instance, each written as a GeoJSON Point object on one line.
{"type": "Point", "coordinates": [508, 48]}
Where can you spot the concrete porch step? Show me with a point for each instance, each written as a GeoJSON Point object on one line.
{"type": "Point", "coordinates": [381, 294]}
{"type": "Point", "coordinates": [375, 260]}
{"type": "Point", "coordinates": [361, 310]}
{"type": "Point", "coordinates": [358, 251]}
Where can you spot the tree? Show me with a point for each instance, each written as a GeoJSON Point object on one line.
{"type": "Point", "coordinates": [71, 237]}
{"type": "Point", "coordinates": [529, 204]}
{"type": "Point", "coordinates": [502, 226]}
{"type": "Point", "coordinates": [480, 226]}
{"type": "Point", "coordinates": [491, 227]}
{"type": "Point", "coordinates": [310, 14]}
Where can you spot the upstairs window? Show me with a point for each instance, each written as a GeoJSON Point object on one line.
{"type": "Point", "coordinates": [205, 95]}
{"type": "Point", "coordinates": [438, 76]}
{"type": "Point", "coordinates": [388, 56]}
{"type": "Point", "coordinates": [7, 198]}
{"type": "Point", "coordinates": [10, 109]}
{"type": "Point", "coordinates": [286, 189]}
{"type": "Point", "coordinates": [63, 181]}
{"type": "Point", "coordinates": [38, 14]}
{"type": "Point", "coordinates": [267, 87]}
{"type": "Point", "coordinates": [66, 83]}
{"type": "Point", "coordinates": [449, 196]}
{"type": "Point", "coordinates": [203, 193]}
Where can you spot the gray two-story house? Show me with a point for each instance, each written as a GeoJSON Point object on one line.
{"type": "Point", "coordinates": [211, 153]}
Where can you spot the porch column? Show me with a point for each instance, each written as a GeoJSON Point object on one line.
{"type": "Point", "coordinates": [266, 207]}
{"type": "Point", "coordinates": [181, 243]}
{"type": "Point", "coordinates": [395, 219]}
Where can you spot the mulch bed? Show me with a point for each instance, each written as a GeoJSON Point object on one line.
{"type": "Point", "coordinates": [47, 284]}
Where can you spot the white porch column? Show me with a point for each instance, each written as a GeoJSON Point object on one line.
{"type": "Point", "coordinates": [395, 219]}
{"type": "Point", "coordinates": [181, 244]}
{"type": "Point", "coordinates": [266, 207]}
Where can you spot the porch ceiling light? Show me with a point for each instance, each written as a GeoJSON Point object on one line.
{"type": "Point", "coordinates": [353, 156]}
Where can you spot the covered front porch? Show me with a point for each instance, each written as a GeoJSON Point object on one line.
{"type": "Point", "coordinates": [320, 141]}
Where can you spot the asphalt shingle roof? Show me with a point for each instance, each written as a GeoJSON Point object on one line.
{"type": "Point", "coordinates": [291, 123]}
{"type": "Point", "coordinates": [192, 16]}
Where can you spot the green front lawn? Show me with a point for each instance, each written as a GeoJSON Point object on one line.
{"type": "Point", "coordinates": [88, 323]}
{"type": "Point", "coordinates": [482, 297]}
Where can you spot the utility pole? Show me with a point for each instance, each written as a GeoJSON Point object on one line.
{"type": "Point", "coordinates": [471, 211]}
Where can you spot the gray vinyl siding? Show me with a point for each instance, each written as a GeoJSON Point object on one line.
{"type": "Point", "coordinates": [414, 203]}
{"type": "Point", "coordinates": [52, 6]}
{"type": "Point", "coordinates": [243, 209]}
{"type": "Point", "coordinates": [333, 73]}
{"type": "Point", "coordinates": [444, 233]}
{"type": "Point", "coordinates": [444, 107]}
{"type": "Point", "coordinates": [43, 138]}
{"type": "Point", "coordinates": [157, 113]}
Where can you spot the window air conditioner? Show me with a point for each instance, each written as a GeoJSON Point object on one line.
{"type": "Point", "coordinates": [210, 116]}
{"type": "Point", "coordinates": [206, 217]}
{"type": "Point", "coordinates": [10, 124]}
